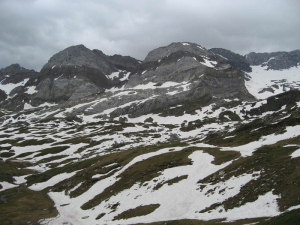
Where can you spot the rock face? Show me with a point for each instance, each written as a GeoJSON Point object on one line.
{"type": "Point", "coordinates": [17, 84]}
{"type": "Point", "coordinates": [15, 74]}
{"type": "Point", "coordinates": [176, 62]}
{"type": "Point", "coordinates": [185, 62]}
{"type": "Point", "coordinates": [78, 72]}
{"type": "Point", "coordinates": [118, 62]}
{"type": "Point", "coordinates": [275, 60]}
{"type": "Point", "coordinates": [178, 74]}
{"type": "Point", "coordinates": [235, 60]}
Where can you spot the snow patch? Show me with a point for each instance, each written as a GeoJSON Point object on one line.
{"type": "Point", "coordinates": [58, 77]}
{"type": "Point", "coordinates": [6, 185]}
{"type": "Point", "coordinates": [7, 88]}
{"type": "Point", "coordinates": [209, 63]}
{"type": "Point", "coordinates": [52, 181]}
{"type": "Point", "coordinates": [296, 153]}
{"type": "Point", "coordinates": [28, 106]}
{"type": "Point", "coordinates": [31, 90]}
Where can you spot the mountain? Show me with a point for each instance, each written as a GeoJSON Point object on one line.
{"type": "Point", "coordinates": [17, 85]}
{"type": "Point", "coordinates": [72, 74]}
{"type": "Point", "coordinates": [78, 72]}
{"type": "Point", "coordinates": [275, 60]}
{"type": "Point", "coordinates": [189, 135]}
{"type": "Point", "coordinates": [235, 60]}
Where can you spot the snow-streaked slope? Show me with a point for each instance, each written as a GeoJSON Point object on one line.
{"type": "Point", "coordinates": [7, 88]}
{"type": "Point", "coordinates": [265, 83]}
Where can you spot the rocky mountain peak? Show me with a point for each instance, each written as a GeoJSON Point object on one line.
{"type": "Point", "coordinates": [15, 73]}
{"type": "Point", "coordinates": [235, 60]}
{"type": "Point", "coordinates": [77, 55]}
{"type": "Point", "coordinates": [12, 70]}
{"type": "Point", "coordinates": [162, 52]}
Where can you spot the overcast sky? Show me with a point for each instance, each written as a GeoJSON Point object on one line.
{"type": "Point", "coordinates": [31, 31]}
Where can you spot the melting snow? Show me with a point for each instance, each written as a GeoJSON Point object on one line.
{"type": "Point", "coordinates": [52, 181]}
{"type": "Point", "coordinates": [31, 90]}
{"type": "Point", "coordinates": [28, 106]}
{"type": "Point", "coordinates": [7, 88]}
{"type": "Point", "coordinates": [296, 153]}
{"type": "Point", "coordinates": [248, 149]}
{"type": "Point", "coordinates": [209, 63]}
{"type": "Point", "coordinates": [58, 77]}
{"type": "Point", "coordinates": [6, 185]}
{"type": "Point", "coordinates": [262, 78]}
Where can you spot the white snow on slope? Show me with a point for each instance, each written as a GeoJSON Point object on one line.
{"type": "Point", "coordinates": [28, 106]}
{"type": "Point", "coordinates": [52, 181]}
{"type": "Point", "coordinates": [20, 179]}
{"type": "Point", "coordinates": [6, 185]}
{"type": "Point", "coordinates": [31, 90]}
{"type": "Point", "coordinates": [296, 153]}
{"type": "Point", "coordinates": [267, 202]}
{"type": "Point", "coordinates": [248, 149]}
{"type": "Point", "coordinates": [262, 78]}
{"type": "Point", "coordinates": [7, 88]}
{"type": "Point", "coordinates": [183, 206]}
{"type": "Point", "coordinates": [209, 63]}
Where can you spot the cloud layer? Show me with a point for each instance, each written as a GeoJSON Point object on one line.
{"type": "Point", "coordinates": [33, 30]}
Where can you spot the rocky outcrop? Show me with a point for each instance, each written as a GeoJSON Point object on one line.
{"type": "Point", "coordinates": [15, 74]}
{"type": "Point", "coordinates": [275, 103]}
{"type": "Point", "coordinates": [14, 86]}
{"type": "Point", "coordinates": [77, 72]}
{"type": "Point", "coordinates": [176, 62]}
{"type": "Point", "coordinates": [188, 62]}
{"type": "Point", "coordinates": [177, 74]}
{"type": "Point", "coordinates": [235, 60]}
{"type": "Point", "coordinates": [118, 62]}
{"type": "Point", "coordinates": [69, 82]}
{"type": "Point", "coordinates": [275, 60]}
{"type": "Point", "coordinates": [162, 52]}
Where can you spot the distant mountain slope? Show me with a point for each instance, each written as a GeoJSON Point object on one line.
{"type": "Point", "coordinates": [233, 59]}
{"type": "Point", "coordinates": [275, 60]}
{"type": "Point", "coordinates": [78, 72]}
{"type": "Point", "coordinates": [16, 87]}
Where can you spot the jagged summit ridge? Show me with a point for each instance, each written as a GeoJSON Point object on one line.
{"type": "Point", "coordinates": [275, 60]}
{"type": "Point", "coordinates": [78, 55]}
{"type": "Point", "coordinates": [177, 62]}
{"type": "Point", "coordinates": [235, 60]}
{"type": "Point", "coordinates": [162, 52]}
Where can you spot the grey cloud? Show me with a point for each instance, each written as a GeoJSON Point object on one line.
{"type": "Point", "coordinates": [32, 31]}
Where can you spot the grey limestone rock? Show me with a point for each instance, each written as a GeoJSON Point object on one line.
{"type": "Point", "coordinates": [162, 52]}
{"type": "Point", "coordinates": [78, 56]}
{"type": "Point", "coordinates": [235, 60]}
{"type": "Point", "coordinates": [177, 62]}
{"type": "Point", "coordinates": [77, 72]}
{"type": "Point", "coordinates": [15, 74]}
{"type": "Point", "coordinates": [275, 60]}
